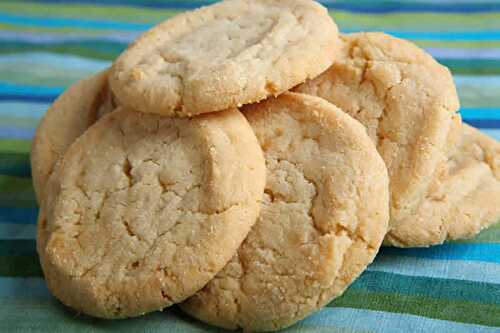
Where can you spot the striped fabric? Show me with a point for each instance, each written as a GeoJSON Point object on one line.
{"type": "Point", "coordinates": [47, 45]}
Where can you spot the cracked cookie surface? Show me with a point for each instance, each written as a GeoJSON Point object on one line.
{"type": "Point", "coordinates": [66, 119]}
{"type": "Point", "coordinates": [144, 210]}
{"type": "Point", "coordinates": [406, 101]}
{"type": "Point", "coordinates": [464, 198]}
{"type": "Point", "coordinates": [225, 55]}
{"type": "Point", "coordinates": [324, 215]}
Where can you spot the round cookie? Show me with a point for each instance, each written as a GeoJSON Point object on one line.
{"type": "Point", "coordinates": [67, 118]}
{"type": "Point", "coordinates": [144, 210]}
{"type": "Point", "coordinates": [407, 102]}
{"type": "Point", "coordinates": [225, 55]}
{"type": "Point", "coordinates": [464, 198]}
{"type": "Point", "coordinates": [324, 215]}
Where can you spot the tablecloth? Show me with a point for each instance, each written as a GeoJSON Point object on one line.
{"type": "Point", "coordinates": [47, 45]}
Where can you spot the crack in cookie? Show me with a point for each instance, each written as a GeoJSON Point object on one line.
{"type": "Point", "coordinates": [143, 210]}
{"type": "Point", "coordinates": [323, 218]}
{"type": "Point", "coordinates": [388, 84]}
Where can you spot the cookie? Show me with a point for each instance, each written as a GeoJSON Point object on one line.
{"type": "Point", "coordinates": [464, 199]}
{"type": "Point", "coordinates": [324, 215]}
{"type": "Point", "coordinates": [407, 102]}
{"type": "Point", "coordinates": [144, 210]}
{"type": "Point", "coordinates": [225, 55]}
{"type": "Point", "coordinates": [67, 118]}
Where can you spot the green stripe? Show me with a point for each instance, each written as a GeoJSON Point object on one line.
{"type": "Point", "coordinates": [489, 235]}
{"type": "Point", "coordinates": [473, 44]}
{"type": "Point", "coordinates": [14, 145]}
{"type": "Point", "coordinates": [20, 266]}
{"type": "Point", "coordinates": [24, 250]}
{"type": "Point", "coordinates": [13, 184]}
{"type": "Point", "coordinates": [413, 21]}
{"type": "Point", "coordinates": [15, 164]}
{"type": "Point", "coordinates": [89, 49]}
{"type": "Point", "coordinates": [39, 29]}
{"type": "Point", "coordinates": [17, 247]}
{"type": "Point", "coordinates": [16, 192]}
{"type": "Point", "coordinates": [92, 11]}
{"type": "Point", "coordinates": [477, 96]}
{"type": "Point", "coordinates": [46, 73]}
{"type": "Point", "coordinates": [41, 315]}
{"type": "Point", "coordinates": [19, 122]}
{"type": "Point", "coordinates": [455, 310]}
{"type": "Point", "coordinates": [476, 66]}
{"type": "Point", "coordinates": [451, 289]}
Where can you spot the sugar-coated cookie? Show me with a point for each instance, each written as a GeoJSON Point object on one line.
{"type": "Point", "coordinates": [225, 55]}
{"type": "Point", "coordinates": [406, 101]}
{"type": "Point", "coordinates": [144, 210]}
{"type": "Point", "coordinates": [324, 216]}
{"type": "Point", "coordinates": [464, 198]}
{"type": "Point", "coordinates": [67, 118]}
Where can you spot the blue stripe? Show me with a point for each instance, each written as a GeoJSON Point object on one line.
{"type": "Point", "coordinates": [480, 113]}
{"type": "Point", "coordinates": [43, 37]}
{"type": "Point", "coordinates": [57, 22]}
{"type": "Point", "coordinates": [23, 109]}
{"type": "Point", "coordinates": [477, 80]}
{"type": "Point", "coordinates": [17, 231]}
{"type": "Point", "coordinates": [114, 25]}
{"type": "Point", "coordinates": [27, 98]}
{"type": "Point", "coordinates": [353, 6]}
{"type": "Point", "coordinates": [7, 88]}
{"type": "Point", "coordinates": [483, 123]}
{"type": "Point", "coordinates": [487, 252]}
{"type": "Point", "coordinates": [54, 60]}
{"type": "Point", "coordinates": [441, 35]}
{"type": "Point", "coordinates": [385, 322]}
{"type": "Point", "coordinates": [435, 268]}
{"type": "Point", "coordinates": [464, 53]}
{"type": "Point", "coordinates": [23, 288]}
{"type": "Point", "coordinates": [383, 7]}
{"type": "Point", "coordinates": [18, 215]}
{"type": "Point", "coordinates": [16, 132]}
{"type": "Point", "coordinates": [492, 133]}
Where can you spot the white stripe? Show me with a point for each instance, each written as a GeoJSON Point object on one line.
{"type": "Point", "coordinates": [385, 322]}
{"type": "Point", "coordinates": [23, 109]}
{"type": "Point", "coordinates": [434, 268]}
{"type": "Point", "coordinates": [477, 80]}
{"type": "Point", "coordinates": [494, 133]}
{"type": "Point", "coordinates": [55, 60]}
{"type": "Point", "coordinates": [464, 53]}
{"type": "Point", "coordinates": [44, 38]}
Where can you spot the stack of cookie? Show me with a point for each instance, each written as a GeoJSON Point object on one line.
{"type": "Point", "coordinates": [247, 161]}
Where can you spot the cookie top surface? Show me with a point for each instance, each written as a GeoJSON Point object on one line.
{"type": "Point", "coordinates": [225, 55]}
{"type": "Point", "coordinates": [144, 210]}
{"type": "Point", "coordinates": [463, 199]}
{"type": "Point", "coordinates": [67, 118]}
{"type": "Point", "coordinates": [406, 101]}
{"type": "Point", "coordinates": [323, 218]}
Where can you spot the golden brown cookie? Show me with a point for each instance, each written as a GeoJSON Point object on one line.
{"type": "Point", "coordinates": [144, 210]}
{"type": "Point", "coordinates": [464, 198]}
{"type": "Point", "coordinates": [225, 55]}
{"type": "Point", "coordinates": [67, 118]}
{"type": "Point", "coordinates": [324, 215]}
{"type": "Point", "coordinates": [407, 102]}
